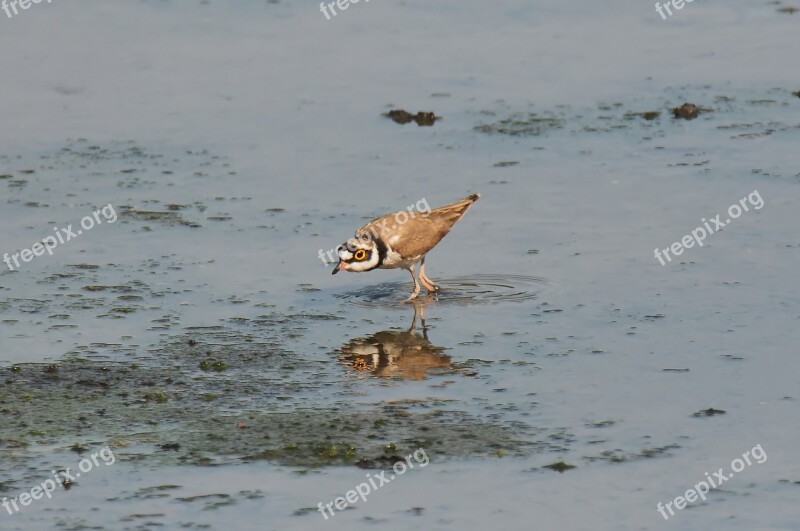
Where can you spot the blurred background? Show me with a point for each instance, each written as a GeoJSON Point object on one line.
{"type": "Point", "coordinates": [563, 379]}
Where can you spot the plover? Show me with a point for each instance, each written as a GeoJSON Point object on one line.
{"type": "Point", "coordinates": [401, 240]}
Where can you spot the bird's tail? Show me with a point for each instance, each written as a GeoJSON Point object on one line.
{"type": "Point", "coordinates": [458, 208]}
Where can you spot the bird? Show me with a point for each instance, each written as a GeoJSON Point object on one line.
{"type": "Point", "coordinates": [401, 240]}
{"type": "Point", "coordinates": [406, 354]}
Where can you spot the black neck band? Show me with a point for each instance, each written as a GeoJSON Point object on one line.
{"type": "Point", "coordinates": [382, 252]}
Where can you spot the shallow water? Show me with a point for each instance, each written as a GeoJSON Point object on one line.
{"type": "Point", "coordinates": [239, 384]}
{"type": "Point", "coordinates": [475, 289]}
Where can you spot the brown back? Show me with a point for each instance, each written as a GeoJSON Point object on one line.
{"type": "Point", "coordinates": [419, 234]}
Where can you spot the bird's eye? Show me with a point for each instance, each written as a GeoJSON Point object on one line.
{"type": "Point", "coordinates": [360, 254]}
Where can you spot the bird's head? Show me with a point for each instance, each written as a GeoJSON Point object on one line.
{"type": "Point", "coordinates": [357, 255]}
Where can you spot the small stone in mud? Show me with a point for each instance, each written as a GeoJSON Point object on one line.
{"type": "Point", "coordinates": [688, 111]}
{"type": "Point", "coordinates": [400, 116]}
{"type": "Point", "coordinates": [710, 412]}
{"type": "Point", "coordinates": [793, 94]}
{"type": "Point", "coordinates": [505, 163]}
{"type": "Point", "coordinates": [560, 466]}
{"type": "Point", "coordinates": [426, 118]}
{"type": "Point", "coordinates": [788, 9]}
{"type": "Point", "coordinates": [170, 446]}
{"type": "Point", "coordinates": [403, 117]}
{"type": "Point", "coordinates": [65, 479]}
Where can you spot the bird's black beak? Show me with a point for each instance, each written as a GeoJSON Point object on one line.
{"type": "Point", "coordinates": [336, 269]}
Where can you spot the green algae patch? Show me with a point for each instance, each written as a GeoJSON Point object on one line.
{"type": "Point", "coordinates": [218, 417]}
{"type": "Point", "coordinates": [523, 124]}
{"type": "Point", "coordinates": [213, 365]}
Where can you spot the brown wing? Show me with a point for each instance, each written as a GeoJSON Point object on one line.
{"type": "Point", "coordinates": [415, 236]}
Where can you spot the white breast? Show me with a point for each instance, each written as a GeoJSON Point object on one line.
{"type": "Point", "coordinates": [393, 260]}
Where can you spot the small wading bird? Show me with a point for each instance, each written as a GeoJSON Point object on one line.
{"type": "Point", "coordinates": [391, 353]}
{"type": "Point", "coordinates": [389, 243]}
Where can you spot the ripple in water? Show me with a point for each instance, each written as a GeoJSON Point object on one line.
{"type": "Point", "coordinates": [474, 289]}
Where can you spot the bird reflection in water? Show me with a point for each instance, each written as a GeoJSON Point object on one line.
{"type": "Point", "coordinates": [393, 354]}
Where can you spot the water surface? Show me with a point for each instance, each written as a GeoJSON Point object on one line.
{"type": "Point", "coordinates": [239, 384]}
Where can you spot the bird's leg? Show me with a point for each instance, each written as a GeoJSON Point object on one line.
{"type": "Point", "coordinates": [428, 283]}
{"type": "Point", "coordinates": [413, 327]}
{"type": "Point", "coordinates": [416, 284]}
{"type": "Point", "coordinates": [419, 311]}
{"type": "Point", "coordinates": [422, 319]}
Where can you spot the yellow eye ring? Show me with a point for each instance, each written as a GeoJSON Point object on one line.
{"type": "Point", "coordinates": [360, 254]}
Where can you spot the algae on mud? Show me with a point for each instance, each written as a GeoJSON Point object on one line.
{"type": "Point", "coordinates": [250, 403]}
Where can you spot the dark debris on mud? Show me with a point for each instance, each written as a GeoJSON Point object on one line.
{"type": "Point", "coordinates": [630, 116]}
{"type": "Point", "coordinates": [688, 111]}
{"type": "Point", "coordinates": [422, 118]}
